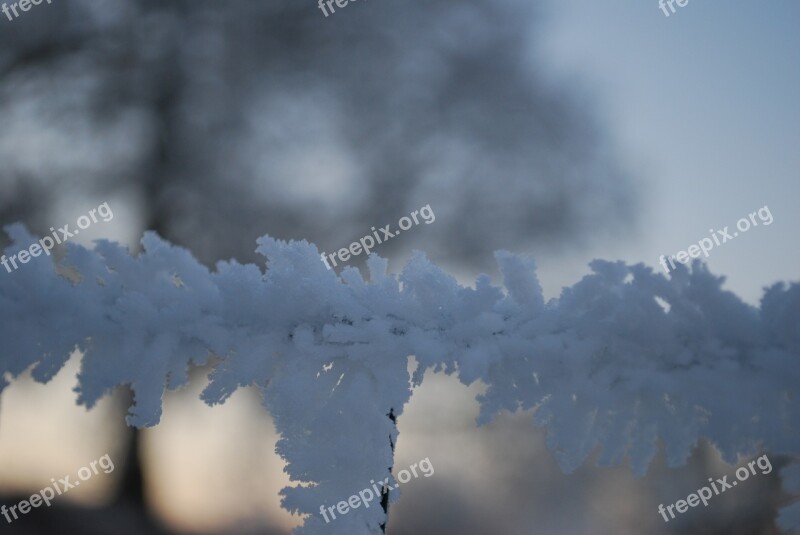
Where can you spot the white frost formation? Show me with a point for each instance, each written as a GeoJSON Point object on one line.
{"type": "Point", "coordinates": [623, 358]}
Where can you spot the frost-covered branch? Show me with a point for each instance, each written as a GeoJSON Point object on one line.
{"type": "Point", "coordinates": [623, 358]}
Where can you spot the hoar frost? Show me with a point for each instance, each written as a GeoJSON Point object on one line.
{"type": "Point", "coordinates": [621, 359]}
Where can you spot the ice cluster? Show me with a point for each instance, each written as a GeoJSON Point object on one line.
{"type": "Point", "coordinates": [624, 358]}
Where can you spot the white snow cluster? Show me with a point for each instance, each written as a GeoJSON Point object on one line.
{"type": "Point", "coordinates": [623, 358]}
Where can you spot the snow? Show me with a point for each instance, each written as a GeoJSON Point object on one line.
{"type": "Point", "coordinates": [622, 359]}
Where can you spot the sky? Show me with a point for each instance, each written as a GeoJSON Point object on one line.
{"type": "Point", "coordinates": [703, 104]}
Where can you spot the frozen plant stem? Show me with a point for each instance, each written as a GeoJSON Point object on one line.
{"type": "Point", "coordinates": [385, 492]}
{"type": "Point", "coordinates": [623, 349]}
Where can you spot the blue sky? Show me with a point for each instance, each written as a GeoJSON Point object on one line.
{"type": "Point", "coordinates": [703, 106]}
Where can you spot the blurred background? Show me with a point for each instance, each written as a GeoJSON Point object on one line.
{"type": "Point", "coordinates": [568, 130]}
